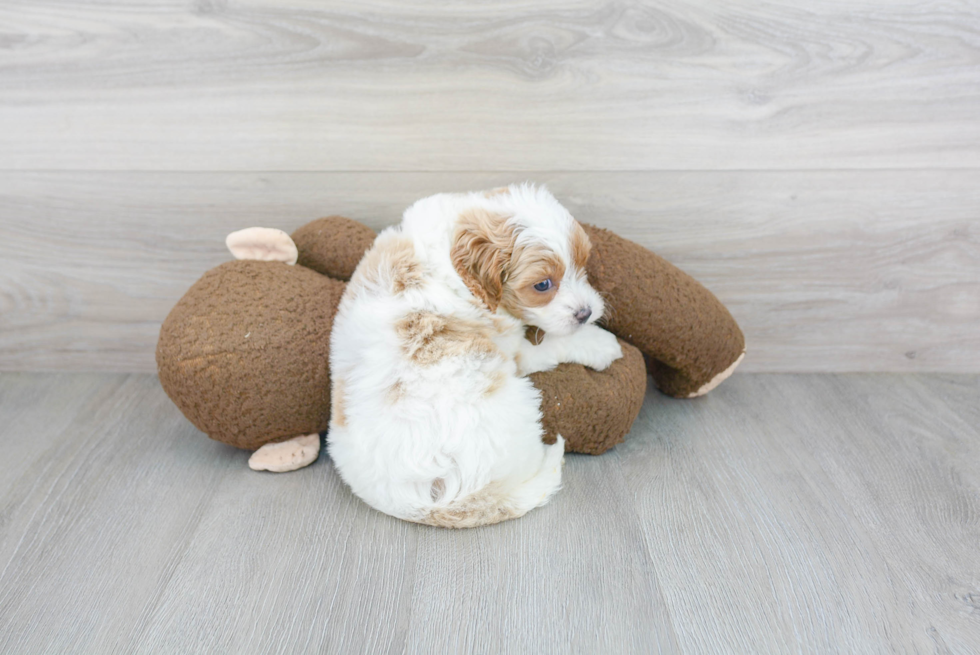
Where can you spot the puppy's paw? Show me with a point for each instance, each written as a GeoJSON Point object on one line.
{"type": "Point", "coordinates": [600, 350]}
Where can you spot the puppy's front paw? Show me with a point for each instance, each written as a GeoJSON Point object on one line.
{"type": "Point", "coordinates": [600, 350]}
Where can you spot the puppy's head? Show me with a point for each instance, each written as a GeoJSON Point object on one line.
{"type": "Point", "coordinates": [523, 253]}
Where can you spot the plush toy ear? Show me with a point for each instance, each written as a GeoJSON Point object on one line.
{"type": "Point", "coordinates": [481, 251]}
{"type": "Point", "coordinates": [263, 244]}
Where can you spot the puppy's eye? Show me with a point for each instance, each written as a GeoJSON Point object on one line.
{"type": "Point", "coordinates": [543, 285]}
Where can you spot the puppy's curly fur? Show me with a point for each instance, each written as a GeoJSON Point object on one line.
{"type": "Point", "coordinates": [434, 419]}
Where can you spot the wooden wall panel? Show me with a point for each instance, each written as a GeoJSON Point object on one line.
{"type": "Point", "coordinates": [824, 270]}
{"type": "Point", "coordinates": [386, 85]}
{"type": "Point", "coordinates": [816, 166]}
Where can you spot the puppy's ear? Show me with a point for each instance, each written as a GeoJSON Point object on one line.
{"type": "Point", "coordinates": [482, 249]}
{"type": "Point", "coordinates": [581, 246]}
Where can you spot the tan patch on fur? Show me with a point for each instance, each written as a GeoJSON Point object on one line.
{"type": "Point", "coordinates": [496, 382]}
{"type": "Point", "coordinates": [530, 266]}
{"type": "Point", "coordinates": [390, 266]}
{"type": "Point", "coordinates": [581, 247]}
{"type": "Point", "coordinates": [483, 507]}
{"type": "Point", "coordinates": [338, 401]}
{"type": "Point", "coordinates": [427, 338]}
{"type": "Point", "coordinates": [395, 392]}
{"type": "Point", "coordinates": [367, 275]}
{"type": "Point", "coordinates": [482, 248]}
{"type": "Point", "coordinates": [438, 489]}
{"type": "Point", "coordinates": [499, 191]}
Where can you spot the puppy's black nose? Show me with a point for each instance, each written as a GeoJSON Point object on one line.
{"type": "Point", "coordinates": [583, 314]}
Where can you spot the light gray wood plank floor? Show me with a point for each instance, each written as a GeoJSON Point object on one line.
{"type": "Point", "coordinates": [781, 513]}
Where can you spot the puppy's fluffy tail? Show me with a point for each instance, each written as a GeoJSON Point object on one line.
{"type": "Point", "coordinates": [499, 501]}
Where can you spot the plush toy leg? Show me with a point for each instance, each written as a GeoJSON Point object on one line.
{"type": "Point", "coordinates": [689, 339]}
{"type": "Point", "coordinates": [287, 455]}
{"type": "Point", "coordinates": [718, 379]}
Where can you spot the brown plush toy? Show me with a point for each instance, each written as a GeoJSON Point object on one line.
{"type": "Point", "coordinates": [245, 353]}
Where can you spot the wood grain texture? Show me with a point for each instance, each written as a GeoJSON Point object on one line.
{"type": "Point", "coordinates": [824, 270]}
{"type": "Point", "coordinates": [781, 513]}
{"type": "Point", "coordinates": [574, 578]}
{"type": "Point", "coordinates": [65, 561]}
{"type": "Point", "coordinates": [836, 512]}
{"type": "Point", "coordinates": [556, 85]}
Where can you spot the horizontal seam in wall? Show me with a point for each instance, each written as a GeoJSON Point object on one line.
{"type": "Point", "coordinates": [246, 171]}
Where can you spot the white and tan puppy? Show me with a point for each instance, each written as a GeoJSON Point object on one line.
{"type": "Point", "coordinates": [434, 419]}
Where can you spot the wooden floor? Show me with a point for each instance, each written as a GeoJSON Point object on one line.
{"type": "Point", "coordinates": [781, 513]}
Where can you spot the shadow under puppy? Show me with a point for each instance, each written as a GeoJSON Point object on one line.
{"type": "Point", "coordinates": [434, 419]}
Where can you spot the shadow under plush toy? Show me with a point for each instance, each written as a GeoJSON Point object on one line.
{"type": "Point", "coordinates": [245, 353]}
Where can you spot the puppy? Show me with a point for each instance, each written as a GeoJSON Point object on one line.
{"type": "Point", "coordinates": [433, 418]}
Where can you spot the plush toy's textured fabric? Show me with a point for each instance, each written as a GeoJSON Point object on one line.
{"type": "Point", "coordinates": [592, 410]}
{"type": "Point", "coordinates": [244, 354]}
{"type": "Point", "coordinates": [273, 384]}
{"type": "Point", "coordinates": [683, 330]}
{"type": "Point", "coordinates": [333, 245]}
